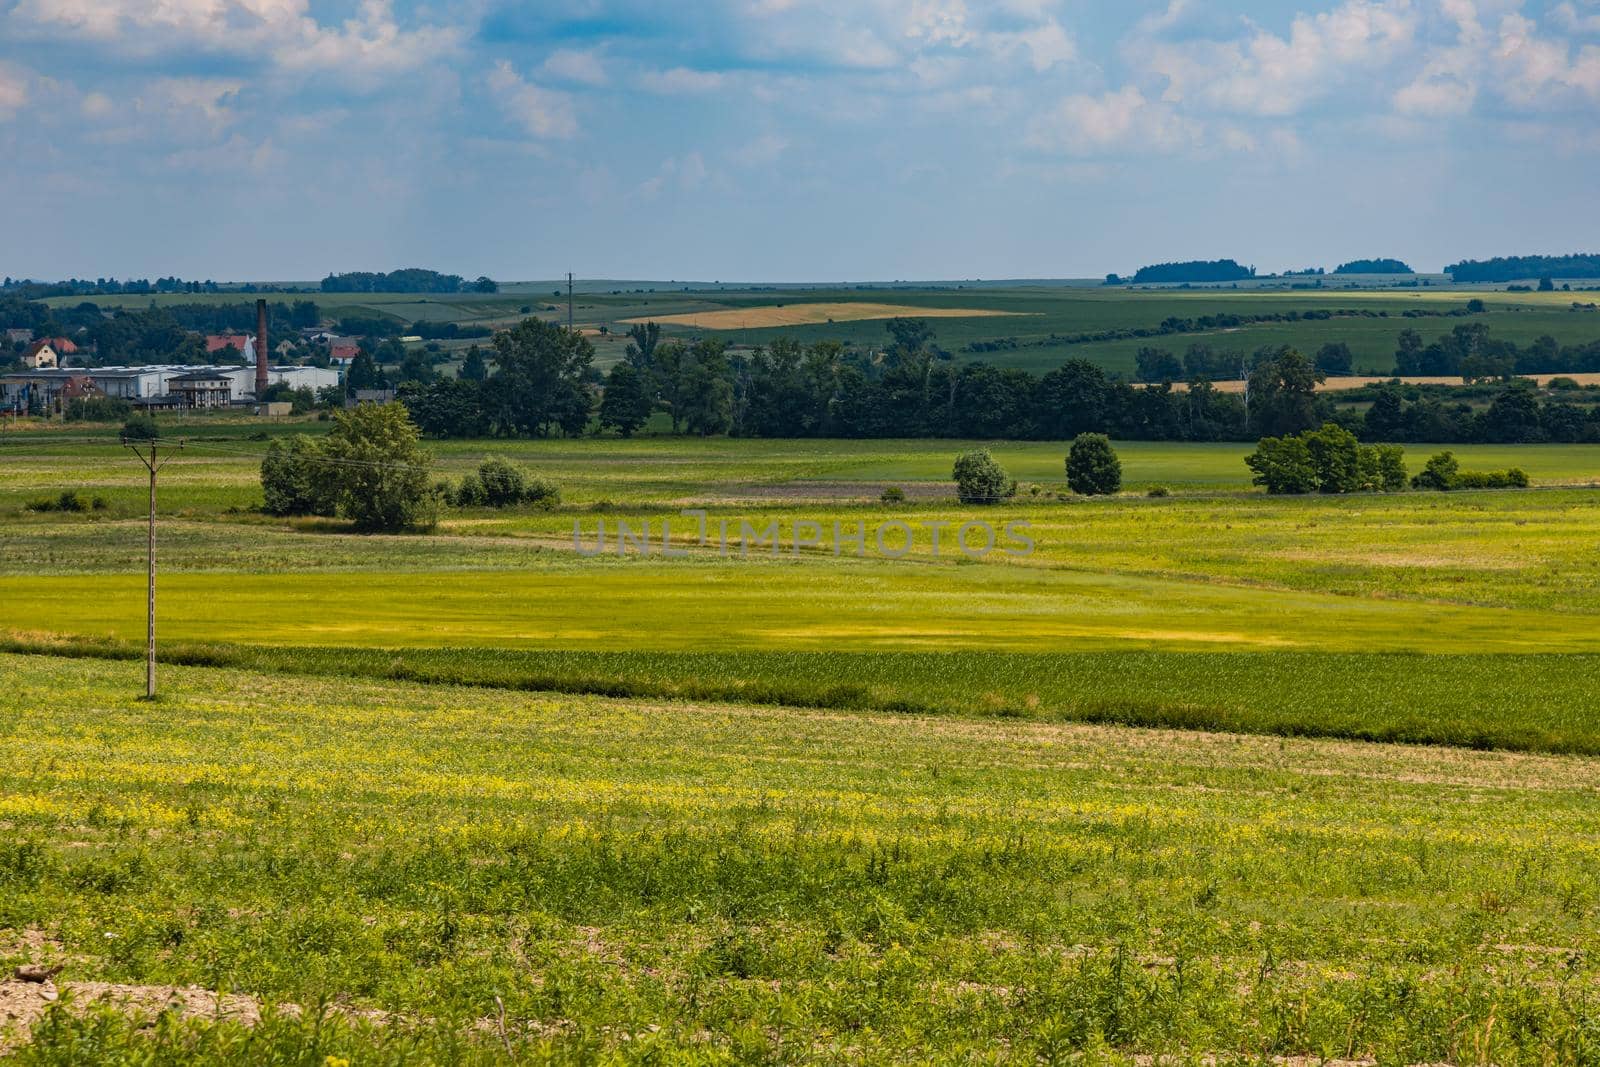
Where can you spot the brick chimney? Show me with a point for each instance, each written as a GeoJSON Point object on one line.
{"type": "Point", "coordinates": [261, 349]}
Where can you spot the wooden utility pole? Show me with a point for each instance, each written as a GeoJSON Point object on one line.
{"type": "Point", "coordinates": [153, 465]}
{"type": "Point", "coordinates": [569, 301]}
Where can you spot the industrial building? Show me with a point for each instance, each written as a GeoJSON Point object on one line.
{"type": "Point", "coordinates": [154, 385]}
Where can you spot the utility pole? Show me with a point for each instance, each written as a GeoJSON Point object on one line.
{"type": "Point", "coordinates": [569, 301]}
{"type": "Point", "coordinates": [153, 465]}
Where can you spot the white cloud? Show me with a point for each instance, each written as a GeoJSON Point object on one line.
{"type": "Point", "coordinates": [544, 113]}
{"type": "Point", "coordinates": [1113, 123]}
{"type": "Point", "coordinates": [584, 68]}
{"type": "Point", "coordinates": [688, 173]}
{"type": "Point", "coordinates": [760, 151]}
{"type": "Point", "coordinates": [13, 89]}
{"type": "Point", "coordinates": [362, 48]}
{"type": "Point", "coordinates": [1275, 76]}
{"type": "Point", "coordinates": [1569, 18]}
{"type": "Point", "coordinates": [681, 80]}
{"type": "Point", "coordinates": [96, 105]}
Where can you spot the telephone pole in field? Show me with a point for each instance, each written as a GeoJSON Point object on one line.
{"type": "Point", "coordinates": [569, 301]}
{"type": "Point", "coordinates": [153, 464]}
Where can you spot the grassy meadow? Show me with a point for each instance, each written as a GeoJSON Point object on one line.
{"type": "Point", "coordinates": [1208, 776]}
{"type": "Point", "coordinates": [401, 873]}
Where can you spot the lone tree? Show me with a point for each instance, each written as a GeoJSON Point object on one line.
{"type": "Point", "coordinates": [1093, 468]}
{"type": "Point", "coordinates": [375, 459]}
{"type": "Point", "coordinates": [981, 480]}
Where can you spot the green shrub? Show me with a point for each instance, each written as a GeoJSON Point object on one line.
{"type": "Point", "coordinates": [981, 480]}
{"type": "Point", "coordinates": [1159, 491]}
{"type": "Point", "coordinates": [140, 428]}
{"type": "Point", "coordinates": [296, 480]}
{"type": "Point", "coordinates": [1283, 465]}
{"type": "Point", "coordinates": [892, 495]}
{"type": "Point", "coordinates": [1093, 468]}
{"type": "Point", "coordinates": [98, 409]}
{"type": "Point", "coordinates": [1328, 460]}
{"type": "Point", "coordinates": [469, 493]}
{"type": "Point", "coordinates": [541, 493]}
{"type": "Point", "coordinates": [68, 501]}
{"type": "Point", "coordinates": [1443, 474]}
{"type": "Point", "coordinates": [1440, 473]}
{"type": "Point", "coordinates": [502, 483]}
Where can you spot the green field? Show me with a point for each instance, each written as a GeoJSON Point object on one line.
{"type": "Point", "coordinates": [1036, 313]}
{"type": "Point", "coordinates": [424, 874]}
{"type": "Point", "coordinates": [471, 796]}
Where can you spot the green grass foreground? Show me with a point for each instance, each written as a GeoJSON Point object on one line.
{"type": "Point", "coordinates": [467, 875]}
{"type": "Point", "coordinates": [1530, 703]}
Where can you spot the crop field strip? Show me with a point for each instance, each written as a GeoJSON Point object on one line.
{"type": "Point", "coordinates": [457, 870]}
{"type": "Point", "coordinates": [1031, 314]}
{"type": "Point", "coordinates": [1205, 590]}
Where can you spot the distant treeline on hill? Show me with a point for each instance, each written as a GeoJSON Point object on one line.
{"type": "Point", "coordinates": [29, 289]}
{"type": "Point", "coordinates": [1516, 268]}
{"type": "Point", "coordinates": [409, 280]}
{"type": "Point", "coordinates": [1220, 270]}
{"type": "Point", "coordinates": [1373, 266]}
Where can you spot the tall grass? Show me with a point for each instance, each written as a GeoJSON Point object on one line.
{"type": "Point", "coordinates": [1529, 703]}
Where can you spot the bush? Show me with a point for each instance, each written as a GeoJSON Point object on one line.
{"type": "Point", "coordinates": [469, 494]}
{"type": "Point", "coordinates": [1328, 460]}
{"type": "Point", "coordinates": [1440, 473]}
{"type": "Point", "coordinates": [981, 480]}
{"type": "Point", "coordinates": [140, 428]}
{"type": "Point", "coordinates": [1093, 468]}
{"type": "Point", "coordinates": [1283, 465]}
{"type": "Point", "coordinates": [98, 409]}
{"type": "Point", "coordinates": [541, 493]}
{"type": "Point", "coordinates": [296, 480]}
{"type": "Point", "coordinates": [497, 484]}
{"type": "Point", "coordinates": [502, 483]}
{"type": "Point", "coordinates": [68, 501]}
{"type": "Point", "coordinates": [1443, 473]}
{"type": "Point", "coordinates": [892, 495]}
{"type": "Point", "coordinates": [1563, 383]}
{"type": "Point", "coordinates": [1159, 491]}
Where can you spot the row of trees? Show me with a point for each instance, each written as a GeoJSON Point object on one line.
{"type": "Point", "coordinates": [1469, 351]}
{"type": "Point", "coordinates": [408, 280]}
{"type": "Point", "coordinates": [541, 384]}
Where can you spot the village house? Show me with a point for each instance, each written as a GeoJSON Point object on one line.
{"type": "Point", "coordinates": [241, 343]}
{"type": "Point", "coordinates": [16, 336]}
{"type": "Point", "coordinates": [40, 356]}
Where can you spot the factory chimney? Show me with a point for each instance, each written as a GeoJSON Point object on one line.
{"type": "Point", "coordinates": [261, 350]}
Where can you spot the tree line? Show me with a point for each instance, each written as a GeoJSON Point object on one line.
{"type": "Point", "coordinates": [1515, 268]}
{"type": "Point", "coordinates": [539, 380]}
{"type": "Point", "coordinates": [408, 280]}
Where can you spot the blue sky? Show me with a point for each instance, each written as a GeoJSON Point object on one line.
{"type": "Point", "coordinates": [789, 140]}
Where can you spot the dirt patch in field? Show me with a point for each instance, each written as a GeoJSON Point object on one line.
{"type": "Point", "coordinates": [770, 315]}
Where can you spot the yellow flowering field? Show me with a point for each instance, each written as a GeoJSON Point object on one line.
{"type": "Point", "coordinates": [380, 872]}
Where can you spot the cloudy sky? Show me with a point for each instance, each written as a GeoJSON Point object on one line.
{"type": "Point", "coordinates": [789, 139]}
